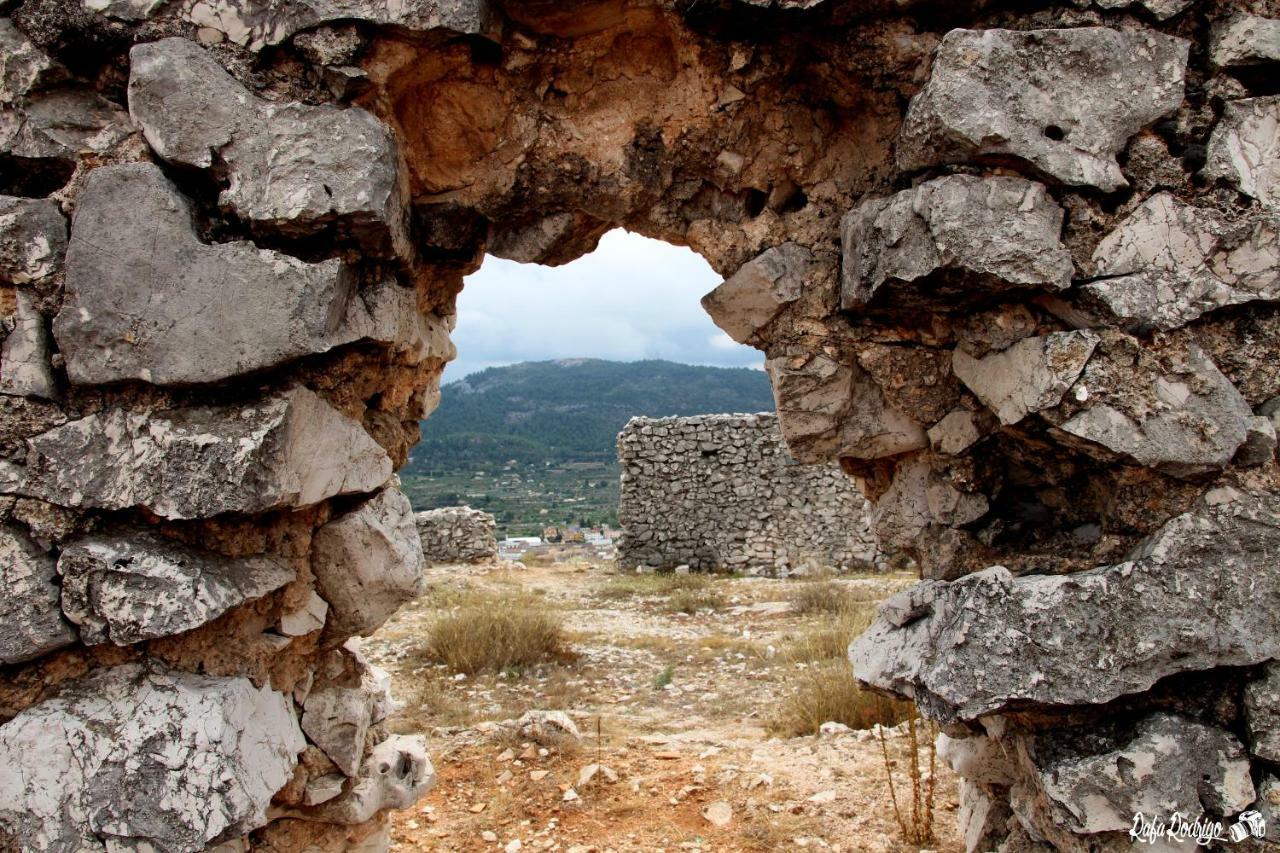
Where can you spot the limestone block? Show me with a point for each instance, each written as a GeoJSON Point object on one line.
{"type": "Point", "coordinates": [31, 623]}
{"type": "Point", "coordinates": [368, 562]}
{"type": "Point", "coordinates": [125, 10]}
{"type": "Point", "coordinates": [1162, 9]}
{"type": "Point", "coordinates": [287, 450]}
{"type": "Point", "coordinates": [1244, 39]}
{"type": "Point", "coordinates": [25, 356]}
{"type": "Point", "coordinates": [1170, 764]}
{"type": "Point", "coordinates": [749, 299]}
{"type": "Point", "coordinates": [292, 169]}
{"type": "Point", "coordinates": [1089, 637]}
{"type": "Point", "coordinates": [1245, 150]}
{"type": "Point", "coordinates": [132, 757]}
{"type": "Point", "coordinates": [132, 585]}
{"type": "Point", "coordinates": [336, 719]}
{"type": "Point", "coordinates": [147, 300]}
{"type": "Point", "coordinates": [24, 68]}
{"type": "Point", "coordinates": [62, 125]}
{"type": "Point", "coordinates": [1259, 445]}
{"type": "Point", "coordinates": [1029, 376]}
{"type": "Point", "coordinates": [918, 499]}
{"type": "Point", "coordinates": [258, 25]}
{"type": "Point", "coordinates": [957, 235]}
{"type": "Point", "coordinates": [1171, 409]}
{"type": "Point", "coordinates": [1064, 101]}
{"type": "Point", "coordinates": [310, 617]}
{"type": "Point", "coordinates": [978, 759]}
{"type": "Point", "coordinates": [456, 534]}
{"type": "Point", "coordinates": [1262, 714]}
{"type": "Point", "coordinates": [395, 775]}
{"type": "Point", "coordinates": [33, 239]}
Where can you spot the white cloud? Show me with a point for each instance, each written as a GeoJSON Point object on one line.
{"type": "Point", "coordinates": [632, 298]}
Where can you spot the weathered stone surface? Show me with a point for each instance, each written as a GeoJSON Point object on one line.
{"type": "Point", "coordinates": [310, 617]}
{"type": "Point", "coordinates": [24, 68]}
{"type": "Point", "coordinates": [1245, 149]}
{"type": "Point", "coordinates": [125, 10]}
{"type": "Point", "coordinates": [978, 759]}
{"type": "Point", "coordinates": [456, 534]}
{"type": "Point", "coordinates": [336, 719]}
{"type": "Point", "coordinates": [1259, 443]}
{"type": "Point", "coordinates": [31, 622]}
{"type": "Point", "coordinates": [749, 299]}
{"type": "Point", "coordinates": [1170, 764]}
{"type": "Point", "coordinates": [147, 300]}
{"type": "Point", "coordinates": [368, 562]}
{"type": "Point", "coordinates": [290, 449]}
{"type": "Point", "coordinates": [720, 492]}
{"type": "Point", "coordinates": [829, 408]}
{"type": "Point", "coordinates": [25, 356]}
{"type": "Point", "coordinates": [1093, 636]}
{"type": "Point", "coordinates": [33, 239]}
{"type": "Point", "coordinates": [257, 25]}
{"type": "Point", "coordinates": [395, 775]}
{"type": "Point", "coordinates": [1162, 9]}
{"type": "Point", "coordinates": [917, 499]}
{"type": "Point", "coordinates": [1029, 376]}
{"type": "Point", "coordinates": [133, 757]}
{"type": "Point", "coordinates": [131, 585]}
{"type": "Point", "coordinates": [292, 168]}
{"type": "Point", "coordinates": [62, 125]}
{"type": "Point", "coordinates": [956, 432]}
{"type": "Point", "coordinates": [985, 233]}
{"type": "Point", "coordinates": [1262, 714]}
{"type": "Point", "coordinates": [1066, 101]}
{"type": "Point", "coordinates": [1244, 39]}
{"type": "Point", "coordinates": [1170, 410]}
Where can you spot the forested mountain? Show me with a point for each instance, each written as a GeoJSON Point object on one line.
{"type": "Point", "coordinates": [571, 410]}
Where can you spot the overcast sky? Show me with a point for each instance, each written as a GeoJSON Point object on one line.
{"type": "Point", "coordinates": [633, 298]}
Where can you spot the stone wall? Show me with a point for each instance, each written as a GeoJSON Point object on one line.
{"type": "Point", "coordinates": [1013, 265]}
{"type": "Point", "coordinates": [456, 534]}
{"type": "Point", "coordinates": [721, 493]}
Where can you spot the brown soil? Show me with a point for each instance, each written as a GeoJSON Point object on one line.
{"type": "Point", "coordinates": [676, 749]}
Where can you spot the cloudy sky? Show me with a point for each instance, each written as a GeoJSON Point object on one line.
{"type": "Point", "coordinates": [632, 298]}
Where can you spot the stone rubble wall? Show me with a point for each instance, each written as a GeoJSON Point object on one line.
{"type": "Point", "coordinates": [1013, 265]}
{"type": "Point", "coordinates": [456, 535]}
{"type": "Point", "coordinates": [721, 493]}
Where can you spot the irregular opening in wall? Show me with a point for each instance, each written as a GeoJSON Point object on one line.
{"type": "Point", "coordinates": [553, 362]}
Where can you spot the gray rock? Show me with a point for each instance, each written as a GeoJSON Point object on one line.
{"type": "Point", "coordinates": [749, 299]}
{"type": "Point", "coordinates": [288, 450]}
{"type": "Point", "coordinates": [1065, 101]}
{"type": "Point", "coordinates": [395, 775]}
{"type": "Point", "coordinates": [145, 299]}
{"type": "Point", "coordinates": [956, 432]}
{"type": "Point", "coordinates": [988, 233]}
{"type": "Point", "coordinates": [1259, 443]}
{"type": "Point", "coordinates": [1090, 637]}
{"type": "Point", "coordinates": [62, 125]}
{"type": "Point", "coordinates": [336, 719]}
{"type": "Point", "coordinates": [1245, 150]}
{"type": "Point", "coordinates": [31, 623]}
{"type": "Point", "coordinates": [257, 25]}
{"type": "Point", "coordinates": [1180, 416]}
{"type": "Point", "coordinates": [132, 585]}
{"type": "Point", "coordinates": [1262, 714]}
{"type": "Point", "coordinates": [1170, 764]}
{"type": "Point", "coordinates": [1029, 376]}
{"type": "Point", "coordinates": [306, 619]}
{"type": "Point", "coordinates": [1244, 39]}
{"type": "Point", "coordinates": [33, 239]}
{"type": "Point", "coordinates": [1162, 9]}
{"type": "Point", "coordinates": [24, 68]}
{"type": "Point", "coordinates": [125, 10]}
{"type": "Point", "coordinates": [456, 534]}
{"type": "Point", "coordinates": [131, 757]}
{"type": "Point", "coordinates": [917, 499]}
{"type": "Point", "coordinates": [983, 819]}
{"type": "Point", "coordinates": [828, 408]}
{"type": "Point", "coordinates": [292, 169]}
{"type": "Point", "coordinates": [977, 759]}
{"type": "Point", "coordinates": [368, 562]}
{"type": "Point", "coordinates": [26, 369]}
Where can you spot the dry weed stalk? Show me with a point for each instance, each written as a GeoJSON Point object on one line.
{"type": "Point", "coordinates": [917, 828]}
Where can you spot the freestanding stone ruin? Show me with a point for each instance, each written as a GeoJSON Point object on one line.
{"type": "Point", "coordinates": [1015, 266]}
{"type": "Point", "coordinates": [456, 534]}
{"type": "Point", "coordinates": [721, 493]}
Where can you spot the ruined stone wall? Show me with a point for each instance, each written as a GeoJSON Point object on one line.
{"type": "Point", "coordinates": [456, 534]}
{"type": "Point", "coordinates": [721, 493]}
{"type": "Point", "coordinates": [1014, 265]}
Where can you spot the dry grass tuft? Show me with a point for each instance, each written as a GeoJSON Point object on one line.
{"type": "Point", "coordinates": [829, 639]}
{"type": "Point", "coordinates": [651, 584]}
{"type": "Point", "coordinates": [691, 601]}
{"type": "Point", "coordinates": [490, 633]}
{"type": "Point", "coordinates": [828, 693]}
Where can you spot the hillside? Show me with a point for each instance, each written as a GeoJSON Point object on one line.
{"type": "Point", "coordinates": [533, 443]}
{"type": "Point", "coordinates": [571, 410]}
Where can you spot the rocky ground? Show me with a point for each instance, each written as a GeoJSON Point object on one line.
{"type": "Point", "coordinates": [676, 708]}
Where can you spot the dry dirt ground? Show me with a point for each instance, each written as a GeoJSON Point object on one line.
{"type": "Point", "coordinates": [678, 706]}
